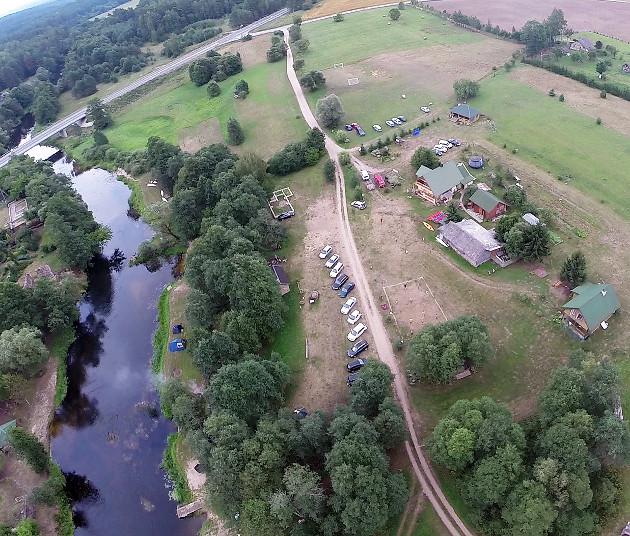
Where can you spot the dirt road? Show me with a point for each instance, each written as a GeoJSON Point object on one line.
{"type": "Point", "coordinates": [384, 348]}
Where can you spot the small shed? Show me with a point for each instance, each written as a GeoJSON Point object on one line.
{"type": "Point", "coordinates": [281, 278]}
{"type": "Point", "coordinates": [464, 113]}
{"type": "Point", "coordinates": [589, 308]}
{"type": "Point", "coordinates": [4, 432]}
{"type": "Point", "coordinates": [178, 329]}
{"type": "Point", "coordinates": [487, 204]}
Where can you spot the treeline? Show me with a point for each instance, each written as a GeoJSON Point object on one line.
{"type": "Point", "coordinates": [299, 154]}
{"type": "Point", "coordinates": [556, 472]}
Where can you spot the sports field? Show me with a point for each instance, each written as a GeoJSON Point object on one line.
{"type": "Point", "coordinates": [559, 140]}
{"type": "Point", "coordinates": [185, 114]}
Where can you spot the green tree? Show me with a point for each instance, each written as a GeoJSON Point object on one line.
{"type": "Point", "coordinates": [186, 213]}
{"type": "Point", "coordinates": [28, 527]}
{"type": "Point", "coordinates": [425, 157]}
{"type": "Point", "coordinates": [301, 46]}
{"type": "Point", "coordinates": [27, 447]}
{"type": "Point", "coordinates": [390, 424]}
{"type": "Point", "coordinates": [298, 64]}
{"type": "Point", "coordinates": [329, 170]}
{"type": "Point", "coordinates": [601, 67]}
{"type": "Point", "coordinates": [574, 269]}
{"type": "Point", "coordinates": [189, 411]}
{"type": "Point", "coordinates": [535, 36]}
{"type": "Point", "coordinates": [372, 387]}
{"type": "Point", "coordinates": [295, 32]}
{"type": "Point", "coordinates": [504, 225]}
{"type": "Point", "coordinates": [302, 496]}
{"type": "Point", "coordinates": [214, 90]}
{"type": "Point", "coordinates": [46, 103]}
{"type": "Point", "coordinates": [210, 354]}
{"type": "Point", "coordinates": [22, 350]}
{"type": "Point", "coordinates": [235, 132]}
{"type": "Point", "coordinates": [529, 509]}
{"type": "Point", "coordinates": [465, 89]}
{"type": "Point", "coordinates": [535, 243]}
{"type": "Point", "coordinates": [98, 112]}
{"type": "Point", "coordinates": [17, 307]}
{"type": "Point", "coordinates": [612, 440]}
{"type": "Point", "coordinates": [313, 80]}
{"type": "Point", "coordinates": [452, 212]}
{"type": "Point", "coordinates": [99, 138]}
{"type": "Point", "coordinates": [394, 13]}
{"type": "Point", "coordinates": [241, 87]}
{"type": "Point", "coordinates": [564, 393]}
{"type": "Point", "coordinates": [330, 111]}
{"type": "Point", "coordinates": [338, 17]}
{"type": "Point", "coordinates": [555, 23]}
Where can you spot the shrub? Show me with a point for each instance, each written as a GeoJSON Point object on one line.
{"type": "Point", "coordinates": [561, 98]}
{"type": "Point", "coordinates": [338, 18]}
{"type": "Point", "coordinates": [598, 121]}
{"type": "Point", "coordinates": [214, 90]}
{"type": "Point", "coordinates": [26, 446]}
{"type": "Point", "coordinates": [344, 158]}
{"type": "Point", "coordinates": [329, 170]}
{"type": "Point", "coordinates": [602, 93]}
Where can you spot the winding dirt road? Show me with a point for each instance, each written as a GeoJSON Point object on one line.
{"type": "Point", "coordinates": [384, 348]}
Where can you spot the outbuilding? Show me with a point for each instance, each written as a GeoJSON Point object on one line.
{"type": "Point", "coordinates": [464, 113]}
{"type": "Point", "coordinates": [590, 308]}
{"type": "Point", "coordinates": [281, 278]}
{"type": "Point", "coordinates": [470, 240]}
{"type": "Point", "coordinates": [487, 204]}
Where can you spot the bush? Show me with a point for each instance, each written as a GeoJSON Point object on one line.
{"type": "Point", "coordinates": [235, 132]}
{"type": "Point", "coordinates": [214, 90]}
{"type": "Point", "coordinates": [329, 170]}
{"type": "Point", "coordinates": [27, 447]}
{"type": "Point", "coordinates": [598, 121]}
{"type": "Point", "coordinates": [338, 18]}
{"type": "Point", "coordinates": [602, 94]}
{"type": "Point", "coordinates": [561, 98]}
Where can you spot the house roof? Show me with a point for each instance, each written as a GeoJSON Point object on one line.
{"type": "Point", "coordinates": [465, 110]}
{"type": "Point", "coordinates": [471, 239]}
{"type": "Point", "coordinates": [485, 200]}
{"type": "Point", "coordinates": [596, 302]}
{"type": "Point", "coordinates": [281, 275]}
{"type": "Point", "coordinates": [585, 42]}
{"type": "Point", "coordinates": [445, 177]}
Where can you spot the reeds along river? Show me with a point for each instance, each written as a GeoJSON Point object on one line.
{"type": "Point", "coordinates": [109, 435]}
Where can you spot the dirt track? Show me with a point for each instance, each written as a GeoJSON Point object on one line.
{"type": "Point", "coordinates": [383, 345]}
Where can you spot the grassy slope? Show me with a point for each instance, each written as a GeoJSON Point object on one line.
{"type": "Point", "coordinates": [364, 35]}
{"type": "Point", "coordinates": [570, 144]}
{"type": "Point", "coordinates": [269, 108]}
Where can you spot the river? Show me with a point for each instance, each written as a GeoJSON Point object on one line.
{"type": "Point", "coordinates": [109, 435]}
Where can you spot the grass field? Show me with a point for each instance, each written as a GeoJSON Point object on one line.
{"type": "Point", "coordinates": [367, 34]}
{"type": "Point", "coordinates": [571, 146]}
{"type": "Point", "coordinates": [185, 114]}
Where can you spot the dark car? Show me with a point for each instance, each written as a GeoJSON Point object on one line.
{"type": "Point", "coordinates": [349, 128]}
{"type": "Point", "coordinates": [285, 215]}
{"type": "Point", "coordinates": [358, 348]}
{"type": "Point", "coordinates": [346, 289]}
{"type": "Point", "coordinates": [353, 378]}
{"type": "Point", "coordinates": [360, 131]}
{"type": "Point", "coordinates": [355, 365]}
{"type": "Point", "coordinates": [339, 281]}
{"type": "Point", "coordinates": [402, 118]}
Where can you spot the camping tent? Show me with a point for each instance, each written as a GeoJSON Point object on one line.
{"type": "Point", "coordinates": [4, 432]}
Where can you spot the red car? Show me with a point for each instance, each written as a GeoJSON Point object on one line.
{"type": "Point", "coordinates": [379, 181]}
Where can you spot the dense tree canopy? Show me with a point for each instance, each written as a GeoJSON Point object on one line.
{"type": "Point", "coordinates": [330, 111]}
{"type": "Point", "coordinates": [425, 157]}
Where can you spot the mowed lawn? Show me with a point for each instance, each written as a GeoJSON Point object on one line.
{"type": "Point", "coordinates": [269, 115]}
{"type": "Point", "coordinates": [364, 35]}
{"type": "Point", "coordinates": [559, 140]}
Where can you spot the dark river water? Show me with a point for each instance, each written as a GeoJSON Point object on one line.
{"type": "Point", "coordinates": [109, 436]}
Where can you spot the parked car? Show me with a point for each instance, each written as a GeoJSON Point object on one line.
{"type": "Point", "coordinates": [444, 142]}
{"type": "Point", "coordinates": [339, 281]}
{"type": "Point", "coordinates": [360, 131]}
{"type": "Point", "coordinates": [454, 142]}
{"type": "Point", "coordinates": [380, 182]}
{"type": "Point", "coordinates": [355, 365]}
{"type": "Point", "coordinates": [377, 128]}
{"type": "Point", "coordinates": [354, 316]}
{"type": "Point", "coordinates": [327, 250]}
{"type": "Point", "coordinates": [300, 413]}
{"type": "Point", "coordinates": [353, 378]}
{"type": "Point", "coordinates": [332, 261]}
{"type": "Point", "coordinates": [356, 332]}
{"type": "Point", "coordinates": [390, 123]}
{"type": "Point", "coordinates": [285, 215]}
{"type": "Point", "coordinates": [346, 289]}
{"type": "Point", "coordinates": [347, 307]}
{"type": "Point", "coordinates": [359, 204]}
{"type": "Point", "coordinates": [354, 125]}
{"type": "Point", "coordinates": [365, 175]}
{"type": "Point", "coordinates": [402, 118]}
{"type": "Point", "coordinates": [437, 151]}
{"type": "Point", "coordinates": [349, 128]}
{"type": "Point", "coordinates": [358, 347]}
{"type": "Point", "coordinates": [425, 109]}
{"type": "Point", "coordinates": [336, 270]}
{"type": "Point", "coordinates": [396, 121]}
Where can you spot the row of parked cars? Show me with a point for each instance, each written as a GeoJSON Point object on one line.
{"type": "Point", "coordinates": [394, 121]}
{"type": "Point", "coordinates": [444, 145]}
{"type": "Point", "coordinates": [345, 287]}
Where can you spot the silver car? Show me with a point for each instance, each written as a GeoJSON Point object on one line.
{"type": "Point", "coordinates": [332, 261]}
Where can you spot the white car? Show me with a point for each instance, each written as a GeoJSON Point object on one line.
{"type": "Point", "coordinates": [336, 270]}
{"type": "Point", "coordinates": [444, 142]}
{"type": "Point", "coordinates": [365, 175]}
{"type": "Point", "coordinates": [332, 261]}
{"type": "Point", "coordinates": [425, 109]}
{"type": "Point", "coordinates": [390, 123]}
{"type": "Point", "coordinates": [348, 306]}
{"type": "Point", "coordinates": [359, 204]}
{"type": "Point", "coordinates": [356, 332]}
{"type": "Point", "coordinates": [325, 252]}
{"type": "Point", "coordinates": [396, 120]}
{"type": "Point", "coordinates": [354, 316]}
{"type": "Point", "coordinates": [377, 128]}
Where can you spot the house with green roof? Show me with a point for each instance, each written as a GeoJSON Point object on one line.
{"type": "Point", "coordinates": [590, 308]}
{"type": "Point", "coordinates": [487, 205]}
{"type": "Point", "coordinates": [438, 185]}
{"type": "Point", "coordinates": [464, 113]}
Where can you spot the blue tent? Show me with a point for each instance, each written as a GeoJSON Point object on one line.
{"type": "Point", "coordinates": [177, 345]}
{"type": "Point", "coordinates": [4, 432]}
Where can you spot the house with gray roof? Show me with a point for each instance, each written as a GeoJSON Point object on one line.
{"type": "Point", "coordinates": [590, 308]}
{"type": "Point", "coordinates": [281, 278]}
{"type": "Point", "coordinates": [438, 185]}
{"type": "Point", "coordinates": [486, 204]}
{"type": "Point", "coordinates": [582, 44]}
{"type": "Point", "coordinates": [464, 113]}
{"type": "Point", "coordinates": [470, 240]}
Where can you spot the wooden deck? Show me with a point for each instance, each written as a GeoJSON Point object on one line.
{"type": "Point", "coordinates": [190, 508]}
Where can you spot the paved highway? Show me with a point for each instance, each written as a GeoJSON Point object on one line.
{"type": "Point", "coordinates": [157, 73]}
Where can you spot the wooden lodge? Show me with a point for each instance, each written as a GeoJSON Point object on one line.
{"type": "Point", "coordinates": [464, 114]}
{"type": "Point", "coordinates": [487, 205]}
{"type": "Point", "coordinates": [590, 308]}
{"type": "Point", "coordinates": [438, 185]}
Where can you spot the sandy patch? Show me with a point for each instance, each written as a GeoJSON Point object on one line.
{"type": "Point", "coordinates": [195, 480]}
{"type": "Point", "coordinates": [205, 133]}
{"type": "Point", "coordinates": [252, 52]}
{"type": "Point", "coordinates": [613, 111]}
